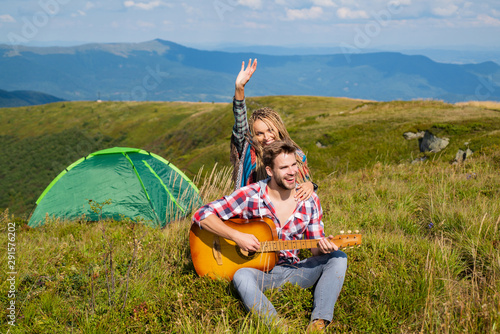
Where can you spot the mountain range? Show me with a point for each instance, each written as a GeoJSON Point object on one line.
{"type": "Point", "coordinates": [25, 98]}
{"type": "Point", "coordinates": [160, 70]}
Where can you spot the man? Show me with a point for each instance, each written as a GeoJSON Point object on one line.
{"type": "Point", "coordinates": [274, 198]}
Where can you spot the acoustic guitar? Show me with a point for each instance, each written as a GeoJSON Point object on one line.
{"type": "Point", "coordinates": [218, 257]}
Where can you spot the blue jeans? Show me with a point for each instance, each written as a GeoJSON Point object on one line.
{"type": "Point", "coordinates": [327, 271]}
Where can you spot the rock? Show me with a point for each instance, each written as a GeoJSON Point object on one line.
{"type": "Point", "coordinates": [417, 160]}
{"type": "Point", "coordinates": [431, 143]}
{"type": "Point", "coordinates": [412, 135]}
{"type": "Point", "coordinates": [462, 155]}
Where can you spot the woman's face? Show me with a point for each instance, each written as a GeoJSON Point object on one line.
{"type": "Point", "coordinates": [264, 134]}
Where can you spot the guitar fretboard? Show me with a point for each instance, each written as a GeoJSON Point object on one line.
{"type": "Point", "coordinates": [278, 245]}
{"type": "Point", "coordinates": [347, 240]}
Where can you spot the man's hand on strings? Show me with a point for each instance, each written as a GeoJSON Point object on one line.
{"type": "Point", "coordinates": [325, 245]}
{"type": "Point", "coordinates": [247, 242]}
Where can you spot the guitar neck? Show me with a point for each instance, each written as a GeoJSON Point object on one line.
{"type": "Point", "coordinates": [278, 245]}
{"type": "Point", "coordinates": [342, 241]}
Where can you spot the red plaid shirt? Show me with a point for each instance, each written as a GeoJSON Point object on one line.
{"type": "Point", "coordinates": [253, 201]}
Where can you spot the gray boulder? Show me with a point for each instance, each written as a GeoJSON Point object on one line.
{"type": "Point", "coordinates": [462, 155]}
{"type": "Point", "coordinates": [418, 160]}
{"type": "Point", "coordinates": [431, 143]}
{"type": "Point", "coordinates": [412, 135]}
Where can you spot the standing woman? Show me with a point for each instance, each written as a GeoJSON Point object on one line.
{"type": "Point", "coordinates": [249, 138]}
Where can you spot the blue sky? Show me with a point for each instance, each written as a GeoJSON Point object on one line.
{"type": "Point", "coordinates": [208, 24]}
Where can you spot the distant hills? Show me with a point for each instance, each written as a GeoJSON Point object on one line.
{"type": "Point", "coordinates": [454, 55]}
{"type": "Point", "coordinates": [22, 98]}
{"type": "Point", "coordinates": [160, 70]}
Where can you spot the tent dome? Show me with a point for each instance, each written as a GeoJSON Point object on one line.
{"type": "Point", "coordinates": [139, 185]}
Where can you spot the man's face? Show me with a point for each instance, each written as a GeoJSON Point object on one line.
{"type": "Point", "coordinates": [285, 171]}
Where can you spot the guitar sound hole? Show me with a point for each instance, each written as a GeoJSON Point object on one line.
{"type": "Point", "coordinates": [244, 254]}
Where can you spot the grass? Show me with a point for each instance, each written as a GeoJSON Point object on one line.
{"type": "Point", "coordinates": [429, 262]}
{"type": "Point", "coordinates": [338, 134]}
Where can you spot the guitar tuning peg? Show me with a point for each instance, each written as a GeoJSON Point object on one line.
{"type": "Point", "coordinates": [342, 232]}
{"type": "Point", "coordinates": [356, 231]}
{"type": "Point", "coordinates": [349, 231]}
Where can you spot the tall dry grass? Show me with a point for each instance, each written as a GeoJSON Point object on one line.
{"type": "Point", "coordinates": [429, 262]}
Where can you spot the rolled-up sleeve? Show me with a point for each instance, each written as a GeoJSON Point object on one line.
{"type": "Point", "coordinates": [240, 127]}
{"type": "Point", "coordinates": [225, 208]}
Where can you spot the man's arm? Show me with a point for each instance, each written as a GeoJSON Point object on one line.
{"type": "Point", "coordinates": [247, 242]}
{"type": "Point", "coordinates": [210, 216]}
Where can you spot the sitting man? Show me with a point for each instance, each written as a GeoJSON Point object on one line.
{"type": "Point", "coordinates": [294, 220]}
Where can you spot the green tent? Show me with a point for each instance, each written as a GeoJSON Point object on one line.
{"type": "Point", "coordinates": [140, 185]}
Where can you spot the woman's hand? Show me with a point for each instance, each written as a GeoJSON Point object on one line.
{"type": "Point", "coordinates": [243, 78]}
{"type": "Point", "coordinates": [304, 191]}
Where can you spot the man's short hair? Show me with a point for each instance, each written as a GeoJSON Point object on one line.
{"type": "Point", "coordinates": [274, 149]}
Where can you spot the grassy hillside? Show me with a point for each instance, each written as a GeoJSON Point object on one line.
{"type": "Point", "coordinates": [339, 135]}
{"type": "Point", "coordinates": [429, 263]}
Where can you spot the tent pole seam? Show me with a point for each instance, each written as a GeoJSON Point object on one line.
{"type": "Point", "coordinates": [143, 187]}
{"type": "Point", "coordinates": [164, 186]}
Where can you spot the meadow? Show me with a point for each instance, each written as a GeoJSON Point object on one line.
{"type": "Point", "coordinates": [429, 262]}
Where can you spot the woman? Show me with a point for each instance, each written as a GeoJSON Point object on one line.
{"type": "Point", "coordinates": [249, 138]}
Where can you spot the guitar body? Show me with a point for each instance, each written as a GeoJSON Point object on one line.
{"type": "Point", "coordinates": [221, 258]}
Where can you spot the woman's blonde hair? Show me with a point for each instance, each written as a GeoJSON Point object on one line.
{"type": "Point", "coordinates": [274, 122]}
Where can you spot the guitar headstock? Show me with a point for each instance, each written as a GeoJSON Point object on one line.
{"type": "Point", "coordinates": [348, 240]}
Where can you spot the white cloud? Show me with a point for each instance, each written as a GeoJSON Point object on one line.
{"type": "Point", "coordinates": [192, 11]}
{"type": "Point", "coordinates": [89, 5]}
{"type": "Point", "coordinates": [324, 3]}
{"type": "Point", "coordinates": [304, 14]}
{"type": "Point", "coordinates": [6, 18]}
{"type": "Point", "coordinates": [142, 5]}
{"type": "Point", "coordinates": [347, 13]}
{"type": "Point", "coordinates": [188, 9]}
{"type": "Point", "coordinates": [145, 24]}
{"type": "Point", "coordinates": [448, 10]}
{"type": "Point", "coordinates": [488, 20]}
{"type": "Point", "coordinates": [83, 12]}
{"type": "Point", "coordinates": [399, 3]}
{"type": "Point", "coordinates": [254, 25]}
{"type": "Point", "coordinates": [253, 4]}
